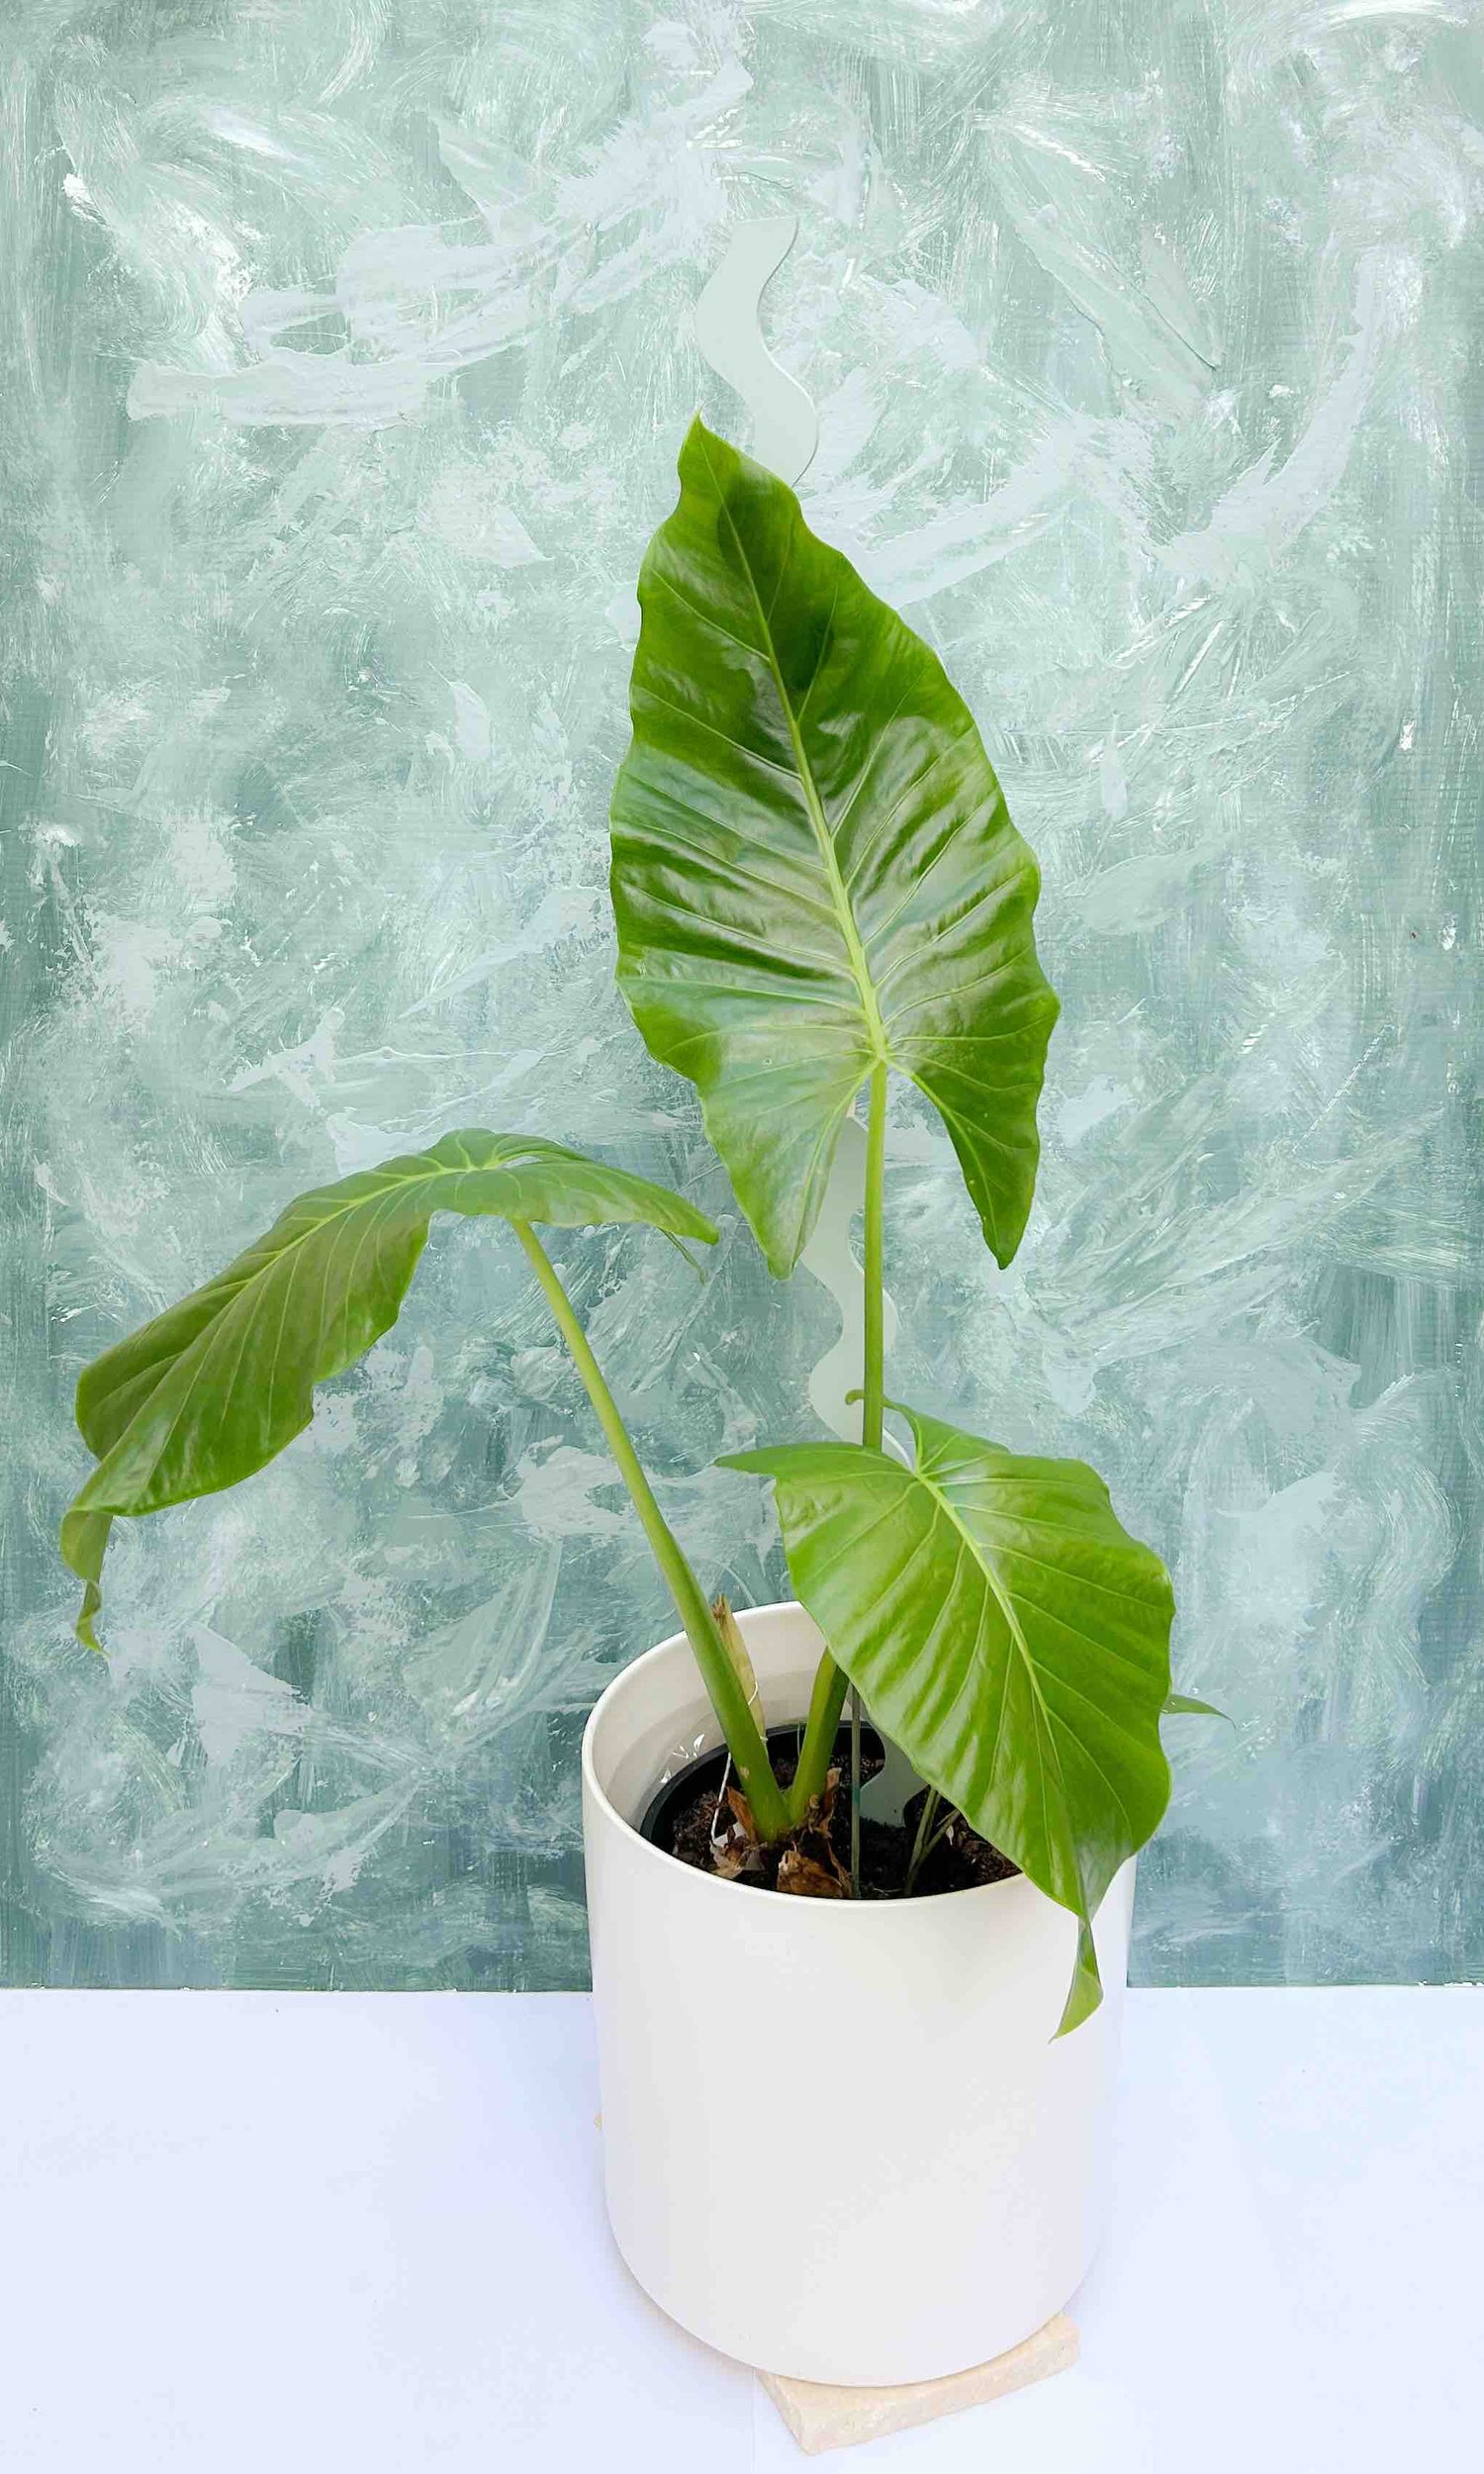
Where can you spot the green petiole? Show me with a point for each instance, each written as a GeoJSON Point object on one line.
{"type": "Point", "coordinates": [831, 1683]}
{"type": "Point", "coordinates": [740, 1727]}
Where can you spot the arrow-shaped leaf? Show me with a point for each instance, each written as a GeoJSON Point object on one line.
{"type": "Point", "coordinates": [213, 1389]}
{"type": "Point", "coordinates": [1006, 1630]}
{"type": "Point", "coordinates": [813, 869]}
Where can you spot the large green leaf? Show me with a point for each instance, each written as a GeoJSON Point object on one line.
{"type": "Point", "coordinates": [212, 1389]}
{"type": "Point", "coordinates": [1010, 1635]}
{"type": "Point", "coordinates": [813, 870]}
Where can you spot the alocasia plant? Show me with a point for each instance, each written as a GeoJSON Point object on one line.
{"type": "Point", "coordinates": [817, 885]}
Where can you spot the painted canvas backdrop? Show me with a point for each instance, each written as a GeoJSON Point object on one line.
{"type": "Point", "coordinates": [346, 354]}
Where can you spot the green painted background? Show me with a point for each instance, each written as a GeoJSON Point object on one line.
{"type": "Point", "coordinates": [345, 355]}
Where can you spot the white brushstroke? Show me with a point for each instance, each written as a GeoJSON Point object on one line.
{"type": "Point", "coordinates": [130, 957]}
{"type": "Point", "coordinates": [1102, 1099]}
{"type": "Point", "coordinates": [303, 1068]}
{"type": "Point", "coordinates": [1265, 511]}
{"type": "Point", "coordinates": [486, 1670]}
{"type": "Point", "coordinates": [1066, 211]}
{"type": "Point", "coordinates": [966, 538]}
{"type": "Point", "coordinates": [471, 721]}
{"type": "Point", "coordinates": [423, 302]}
{"type": "Point", "coordinates": [333, 1846]}
{"type": "Point", "coordinates": [1269, 31]}
{"type": "Point", "coordinates": [575, 910]}
{"type": "Point", "coordinates": [555, 1494]}
{"type": "Point", "coordinates": [1139, 894]}
{"type": "Point", "coordinates": [231, 1700]}
{"type": "Point", "coordinates": [465, 510]}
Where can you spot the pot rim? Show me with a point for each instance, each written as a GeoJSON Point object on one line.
{"type": "Point", "coordinates": [822, 1908]}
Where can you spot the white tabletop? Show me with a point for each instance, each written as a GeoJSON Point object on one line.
{"type": "Point", "coordinates": [365, 2231]}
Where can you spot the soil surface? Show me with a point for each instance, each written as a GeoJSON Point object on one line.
{"type": "Point", "coordinates": [961, 1858]}
{"type": "Point", "coordinates": [713, 1834]}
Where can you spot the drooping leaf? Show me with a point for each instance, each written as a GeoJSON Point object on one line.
{"type": "Point", "coordinates": [215, 1388]}
{"type": "Point", "coordinates": [1006, 1630]}
{"type": "Point", "coordinates": [813, 868]}
{"type": "Point", "coordinates": [1086, 1989]}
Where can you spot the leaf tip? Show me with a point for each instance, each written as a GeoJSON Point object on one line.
{"type": "Point", "coordinates": [699, 441]}
{"type": "Point", "coordinates": [92, 1599]}
{"type": "Point", "coordinates": [1086, 1992]}
{"type": "Point", "coordinates": [1180, 1705]}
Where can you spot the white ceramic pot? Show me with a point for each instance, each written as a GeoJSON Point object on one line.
{"type": "Point", "coordinates": [840, 2141]}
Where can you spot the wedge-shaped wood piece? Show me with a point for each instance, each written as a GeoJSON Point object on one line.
{"type": "Point", "coordinates": [822, 2418]}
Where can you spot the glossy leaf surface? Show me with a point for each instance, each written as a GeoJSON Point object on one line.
{"type": "Point", "coordinates": [1003, 1627]}
{"type": "Point", "coordinates": [813, 867]}
{"type": "Point", "coordinates": [215, 1388]}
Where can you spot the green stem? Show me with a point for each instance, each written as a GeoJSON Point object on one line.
{"type": "Point", "coordinates": [922, 1842]}
{"type": "Point", "coordinates": [826, 1702]}
{"type": "Point", "coordinates": [729, 1701]}
{"type": "Point", "coordinates": [828, 1697]}
{"type": "Point", "coordinates": [855, 1792]}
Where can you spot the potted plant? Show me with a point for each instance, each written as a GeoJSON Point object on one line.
{"type": "Point", "coordinates": [855, 2067]}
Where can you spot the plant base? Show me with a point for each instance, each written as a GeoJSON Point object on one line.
{"type": "Point", "coordinates": [821, 2416]}
{"type": "Point", "coordinates": [919, 2034]}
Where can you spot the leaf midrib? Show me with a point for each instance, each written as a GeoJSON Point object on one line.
{"type": "Point", "coordinates": [1008, 1610]}
{"type": "Point", "coordinates": [235, 1288]}
{"type": "Point", "coordinates": [814, 806]}
{"type": "Point", "coordinates": [244, 1297]}
{"type": "Point", "coordinates": [200, 1347]}
{"type": "Point", "coordinates": [1049, 1761]}
{"type": "Point", "coordinates": [260, 1280]}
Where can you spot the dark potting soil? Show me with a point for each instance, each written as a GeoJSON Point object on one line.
{"type": "Point", "coordinates": [961, 1859]}
{"type": "Point", "coordinates": [709, 1833]}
